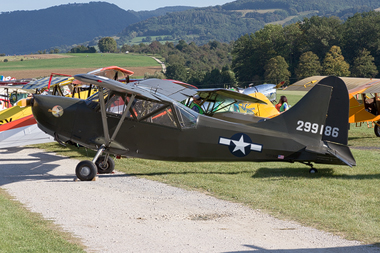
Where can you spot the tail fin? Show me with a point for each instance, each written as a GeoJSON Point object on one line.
{"type": "Point", "coordinates": [337, 115]}
{"type": "Point", "coordinates": [321, 114]}
{"type": "Point", "coordinates": [307, 118]}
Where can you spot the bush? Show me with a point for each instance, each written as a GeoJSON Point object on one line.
{"type": "Point", "coordinates": [5, 60]}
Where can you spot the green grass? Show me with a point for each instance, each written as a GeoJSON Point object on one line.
{"type": "Point", "coordinates": [96, 60]}
{"type": "Point", "coordinates": [24, 231]}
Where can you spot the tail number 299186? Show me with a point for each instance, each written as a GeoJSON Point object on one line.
{"type": "Point", "coordinates": [316, 128]}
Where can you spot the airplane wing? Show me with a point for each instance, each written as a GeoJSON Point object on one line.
{"type": "Point", "coordinates": [225, 95]}
{"type": "Point", "coordinates": [154, 89]}
{"type": "Point", "coordinates": [269, 90]}
{"type": "Point", "coordinates": [44, 82]}
{"type": "Point", "coordinates": [374, 88]}
{"type": "Point", "coordinates": [170, 88]}
{"type": "Point", "coordinates": [112, 72]}
{"type": "Point", "coordinates": [16, 82]}
{"type": "Point", "coordinates": [351, 82]}
{"type": "Point", "coordinates": [305, 84]}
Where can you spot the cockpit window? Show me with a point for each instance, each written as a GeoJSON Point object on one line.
{"type": "Point", "coordinates": [115, 105]}
{"type": "Point", "coordinates": [174, 115]}
{"type": "Point", "coordinates": [187, 118]}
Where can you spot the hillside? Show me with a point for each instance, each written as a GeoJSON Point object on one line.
{"type": "Point", "coordinates": [228, 22]}
{"type": "Point", "coordinates": [24, 32]}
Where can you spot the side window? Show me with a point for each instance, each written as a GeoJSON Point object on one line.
{"type": "Point", "coordinates": [162, 117]}
{"type": "Point", "coordinates": [187, 118]}
{"type": "Point", "coordinates": [142, 108]}
{"type": "Point", "coordinates": [153, 112]}
{"type": "Point", "coordinates": [115, 105]}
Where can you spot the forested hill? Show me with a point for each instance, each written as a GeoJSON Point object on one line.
{"type": "Point", "coordinates": [24, 32]}
{"type": "Point", "coordinates": [323, 6]}
{"type": "Point", "coordinates": [229, 21]}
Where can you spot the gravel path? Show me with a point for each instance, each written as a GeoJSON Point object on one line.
{"type": "Point", "coordinates": [120, 213]}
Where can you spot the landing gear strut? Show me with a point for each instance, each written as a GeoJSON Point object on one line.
{"type": "Point", "coordinates": [312, 169]}
{"type": "Point", "coordinates": [87, 170]}
{"type": "Point", "coordinates": [105, 164]}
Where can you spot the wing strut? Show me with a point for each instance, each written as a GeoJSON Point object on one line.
{"type": "Point", "coordinates": [107, 138]}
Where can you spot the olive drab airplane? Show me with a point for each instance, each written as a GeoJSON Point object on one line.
{"type": "Point", "coordinates": [146, 120]}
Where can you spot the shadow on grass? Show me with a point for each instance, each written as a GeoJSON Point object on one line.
{"type": "Point", "coordinates": [359, 248]}
{"type": "Point", "coordinates": [263, 172]}
{"type": "Point", "coordinates": [297, 172]}
{"type": "Point", "coordinates": [351, 138]}
{"type": "Point", "coordinates": [180, 173]}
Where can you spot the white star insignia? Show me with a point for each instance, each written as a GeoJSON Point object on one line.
{"type": "Point", "coordinates": [240, 145]}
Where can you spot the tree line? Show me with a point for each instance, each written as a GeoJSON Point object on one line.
{"type": "Point", "coordinates": [315, 46]}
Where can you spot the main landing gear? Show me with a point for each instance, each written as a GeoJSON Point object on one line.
{"type": "Point", "coordinates": [102, 164]}
{"type": "Point", "coordinates": [377, 129]}
{"type": "Point", "coordinates": [87, 170]}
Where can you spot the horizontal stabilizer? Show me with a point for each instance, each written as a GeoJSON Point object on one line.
{"type": "Point", "coordinates": [342, 152]}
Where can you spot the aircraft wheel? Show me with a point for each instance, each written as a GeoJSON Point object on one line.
{"type": "Point", "coordinates": [105, 167]}
{"type": "Point", "coordinates": [377, 129]}
{"type": "Point", "coordinates": [86, 170]}
{"type": "Point", "coordinates": [313, 171]}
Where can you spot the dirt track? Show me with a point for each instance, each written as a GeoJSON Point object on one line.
{"type": "Point", "coordinates": [19, 74]}
{"type": "Point", "coordinates": [121, 213]}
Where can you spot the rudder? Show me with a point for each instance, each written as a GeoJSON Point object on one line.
{"type": "Point", "coordinates": [336, 129]}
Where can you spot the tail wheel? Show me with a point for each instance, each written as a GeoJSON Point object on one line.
{"type": "Point", "coordinates": [105, 166]}
{"type": "Point", "coordinates": [377, 129]}
{"type": "Point", "coordinates": [313, 171]}
{"type": "Point", "coordinates": [86, 170]}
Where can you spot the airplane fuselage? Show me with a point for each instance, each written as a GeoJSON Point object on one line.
{"type": "Point", "coordinates": [208, 139]}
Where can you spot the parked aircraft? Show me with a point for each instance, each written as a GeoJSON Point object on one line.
{"type": "Point", "coordinates": [133, 120]}
{"type": "Point", "coordinates": [364, 105]}
{"type": "Point", "coordinates": [24, 130]}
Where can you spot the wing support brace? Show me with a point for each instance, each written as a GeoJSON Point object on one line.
{"type": "Point", "coordinates": [107, 138]}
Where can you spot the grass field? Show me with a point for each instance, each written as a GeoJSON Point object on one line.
{"type": "Point", "coordinates": [338, 199]}
{"type": "Point", "coordinates": [23, 231]}
{"type": "Point", "coordinates": [96, 60]}
{"type": "Point", "coordinates": [41, 65]}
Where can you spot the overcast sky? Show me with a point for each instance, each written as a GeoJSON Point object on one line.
{"type": "Point", "coordinates": [136, 5]}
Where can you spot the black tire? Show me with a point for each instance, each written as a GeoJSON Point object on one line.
{"type": "Point", "coordinates": [313, 171]}
{"type": "Point", "coordinates": [107, 167]}
{"type": "Point", "coordinates": [377, 129]}
{"type": "Point", "coordinates": [86, 170]}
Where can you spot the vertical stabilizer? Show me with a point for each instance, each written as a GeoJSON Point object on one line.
{"type": "Point", "coordinates": [307, 118]}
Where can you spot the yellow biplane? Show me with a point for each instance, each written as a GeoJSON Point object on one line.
{"type": "Point", "coordinates": [364, 97]}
